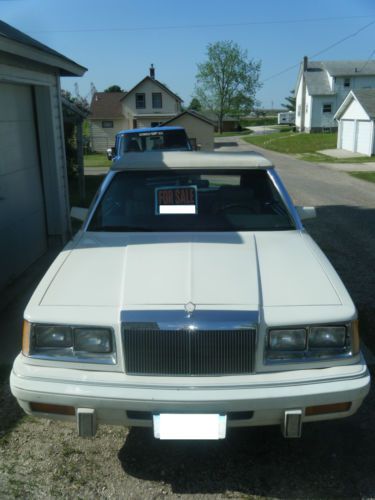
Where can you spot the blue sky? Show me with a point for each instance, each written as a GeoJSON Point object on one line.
{"type": "Point", "coordinates": [118, 39]}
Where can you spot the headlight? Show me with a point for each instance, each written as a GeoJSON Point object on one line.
{"type": "Point", "coordinates": [287, 340]}
{"type": "Point", "coordinates": [92, 340]}
{"type": "Point", "coordinates": [327, 336]}
{"type": "Point", "coordinates": [312, 343]}
{"type": "Point", "coordinates": [67, 343]}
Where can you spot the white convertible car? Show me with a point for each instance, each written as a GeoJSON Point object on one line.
{"type": "Point", "coordinates": [191, 301]}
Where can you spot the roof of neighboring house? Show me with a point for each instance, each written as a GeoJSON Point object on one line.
{"type": "Point", "coordinates": [350, 68]}
{"type": "Point", "coordinates": [106, 105]}
{"type": "Point", "coordinates": [159, 84]}
{"type": "Point", "coordinates": [365, 97]}
{"type": "Point", "coordinates": [317, 73]}
{"type": "Point", "coordinates": [192, 113]}
{"type": "Point", "coordinates": [36, 51]}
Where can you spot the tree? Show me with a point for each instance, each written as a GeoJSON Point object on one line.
{"type": "Point", "coordinates": [114, 88]}
{"type": "Point", "coordinates": [290, 105]}
{"type": "Point", "coordinates": [195, 104]}
{"type": "Point", "coordinates": [227, 82]}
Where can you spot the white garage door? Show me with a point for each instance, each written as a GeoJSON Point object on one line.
{"type": "Point", "coordinates": [347, 135]}
{"type": "Point", "coordinates": [364, 132]}
{"type": "Point", "coordinates": [22, 215]}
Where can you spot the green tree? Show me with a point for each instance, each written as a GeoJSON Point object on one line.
{"type": "Point", "coordinates": [114, 88]}
{"type": "Point", "coordinates": [290, 104]}
{"type": "Point", "coordinates": [227, 81]}
{"type": "Point", "coordinates": [195, 104]}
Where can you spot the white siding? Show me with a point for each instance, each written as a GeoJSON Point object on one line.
{"type": "Point", "coordinates": [103, 138]}
{"type": "Point", "coordinates": [170, 105]}
{"type": "Point", "coordinates": [354, 112]}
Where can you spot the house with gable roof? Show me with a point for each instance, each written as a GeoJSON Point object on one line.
{"type": "Point", "coordinates": [149, 103]}
{"type": "Point", "coordinates": [322, 87]}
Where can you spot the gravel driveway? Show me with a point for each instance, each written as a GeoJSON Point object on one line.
{"type": "Point", "coordinates": [45, 459]}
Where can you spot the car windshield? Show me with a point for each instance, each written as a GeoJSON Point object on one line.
{"type": "Point", "coordinates": [195, 200]}
{"type": "Point", "coordinates": [160, 140]}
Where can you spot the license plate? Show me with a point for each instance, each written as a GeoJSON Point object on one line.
{"type": "Point", "coordinates": [190, 426]}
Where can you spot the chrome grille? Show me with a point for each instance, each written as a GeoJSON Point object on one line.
{"type": "Point", "coordinates": [189, 352]}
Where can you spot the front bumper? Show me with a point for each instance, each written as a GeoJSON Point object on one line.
{"type": "Point", "coordinates": [262, 399]}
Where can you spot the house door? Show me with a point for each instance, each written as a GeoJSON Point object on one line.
{"type": "Point", "coordinates": [364, 134]}
{"type": "Point", "coordinates": [22, 215]}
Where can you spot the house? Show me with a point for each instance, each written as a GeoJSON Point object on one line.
{"type": "Point", "coordinates": [149, 103]}
{"type": "Point", "coordinates": [322, 87]}
{"type": "Point", "coordinates": [34, 204]}
{"type": "Point", "coordinates": [356, 122]}
{"type": "Point", "coordinates": [199, 129]}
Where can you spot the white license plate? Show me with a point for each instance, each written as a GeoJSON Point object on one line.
{"type": "Point", "coordinates": [190, 426]}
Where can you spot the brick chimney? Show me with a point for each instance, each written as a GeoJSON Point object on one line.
{"type": "Point", "coordinates": [152, 72]}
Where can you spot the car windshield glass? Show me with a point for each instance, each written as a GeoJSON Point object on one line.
{"type": "Point", "coordinates": [155, 141]}
{"type": "Point", "coordinates": [195, 200]}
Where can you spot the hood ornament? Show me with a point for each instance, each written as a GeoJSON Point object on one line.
{"type": "Point", "coordinates": [189, 308]}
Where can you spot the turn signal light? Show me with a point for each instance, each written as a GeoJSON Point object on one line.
{"type": "Point", "coordinates": [26, 338]}
{"type": "Point", "coordinates": [57, 409]}
{"type": "Point", "coordinates": [332, 408]}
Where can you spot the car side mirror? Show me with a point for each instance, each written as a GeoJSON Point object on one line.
{"type": "Point", "coordinates": [79, 213]}
{"type": "Point", "coordinates": [306, 212]}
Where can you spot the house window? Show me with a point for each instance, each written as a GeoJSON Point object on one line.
{"type": "Point", "coordinates": [327, 108]}
{"type": "Point", "coordinates": [107, 124]}
{"type": "Point", "coordinates": [299, 110]}
{"type": "Point", "coordinates": [156, 124]}
{"type": "Point", "coordinates": [306, 108]}
{"type": "Point", "coordinates": [140, 101]}
{"type": "Point", "coordinates": [157, 101]}
{"type": "Point", "coordinates": [346, 82]}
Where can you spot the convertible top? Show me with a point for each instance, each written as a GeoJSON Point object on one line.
{"type": "Point", "coordinates": [190, 160]}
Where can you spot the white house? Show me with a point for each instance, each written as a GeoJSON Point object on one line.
{"type": "Point", "coordinates": [356, 125]}
{"type": "Point", "coordinates": [147, 104]}
{"type": "Point", "coordinates": [34, 204]}
{"type": "Point", "coordinates": [322, 87]}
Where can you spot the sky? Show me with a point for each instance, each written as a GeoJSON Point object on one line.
{"type": "Point", "coordinates": [117, 40]}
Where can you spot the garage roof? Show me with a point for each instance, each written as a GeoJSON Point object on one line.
{"type": "Point", "coordinates": [18, 43]}
{"type": "Point", "coordinates": [365, 97]}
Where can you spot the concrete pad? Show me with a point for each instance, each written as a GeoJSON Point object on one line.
{"type": "Point", "coordinates": [350, 167]}
{"type": "Point", "coordinates": [340, 153]}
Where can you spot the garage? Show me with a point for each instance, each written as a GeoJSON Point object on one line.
{"type": "Point", "coordinates": [34, 206]}
{"type": "Point", "coordinates": [22, 214]}
{"type": "Point", "coordinates": [356, 118]}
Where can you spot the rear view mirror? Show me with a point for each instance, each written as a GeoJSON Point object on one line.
{"type": "Point", "coordinates": [79, 213]}
{"type": "Point", "coordinates": [306, 212]}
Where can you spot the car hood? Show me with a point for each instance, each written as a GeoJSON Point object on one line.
{"type": "Point", "coordinates": [241, 270]}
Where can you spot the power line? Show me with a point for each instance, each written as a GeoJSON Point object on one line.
{"type": "Point", "coordinates": [334, 44]}
{"type": "Point", "coordinates": [199, 26]}
{"type": "Point", "coordinates": [366, 63]}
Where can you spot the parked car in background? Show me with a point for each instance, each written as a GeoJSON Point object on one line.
{"type": "Point", "coordinates": [191, 301]}
{"type": "Point", "coordinates": [141, 140]}
{"type": "Point", "coordinates": [286, 118]}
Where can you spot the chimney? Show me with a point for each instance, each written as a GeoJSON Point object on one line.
{"type": "Point", "coordinates": [152, 72]}
{"type": "Point", "coordinates": [305, 60]}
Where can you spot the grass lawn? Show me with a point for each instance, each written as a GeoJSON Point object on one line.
{"type": "Point", "coordinates": [96, 160]}
{"type": "Point", "coordinates": [294, 143]}
{"type": "Point", "coordinates": [365, 176]}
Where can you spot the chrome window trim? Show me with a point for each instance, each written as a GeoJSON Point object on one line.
{"type": "Point", "coordinates": [281, 189]}
{"type": "Point", "coordinates": [196, 320]}
{"type": "Point", "coordinates": [110, 358]}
